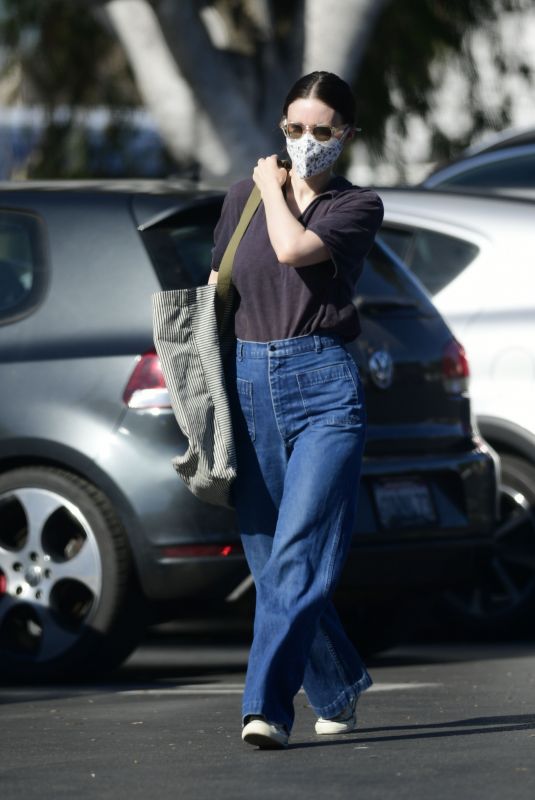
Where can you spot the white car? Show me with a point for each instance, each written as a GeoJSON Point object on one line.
{"type": "Point", "coordinates": [476, 257]}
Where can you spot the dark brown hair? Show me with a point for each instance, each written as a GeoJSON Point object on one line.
{"type": "Point", "coordinates": [327, 87]}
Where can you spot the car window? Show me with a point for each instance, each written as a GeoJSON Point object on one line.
{"type": "Point", "coordinates": [516, 171]}
{"type": "Point", "coordinates": [398, 239]}
{"type": "Point", "coordinates": [180, 246]}
{"type": "Point", "coordinates": [435, 258]}
{"type": "Point", "coordinates": [22, 264]}
{"type": "Point", "coordinates": [385, 284]}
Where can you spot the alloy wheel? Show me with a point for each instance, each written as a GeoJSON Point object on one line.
{"type": "Point", "coordinates": [50, 574]}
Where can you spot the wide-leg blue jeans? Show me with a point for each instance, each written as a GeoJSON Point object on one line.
{"type": "Point", "coordinates": [299, 418]}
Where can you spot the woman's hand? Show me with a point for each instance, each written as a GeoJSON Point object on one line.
{"type": "Point", "coordinates": [267, 174]}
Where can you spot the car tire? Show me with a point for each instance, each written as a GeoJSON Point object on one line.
{"type": "Point", "coordinates": [69, 602]}
{"type": "Point", "coordinates": [501, 600]}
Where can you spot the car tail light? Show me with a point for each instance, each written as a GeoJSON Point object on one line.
{"type": "Point", "coordinates": [202, 550]}
{"type": "Point", "coordinates": [146, 387]}
{"type": "Point", "coordinates": [455, 370]}
{"type": "Point", "coordinates": [3, 584]}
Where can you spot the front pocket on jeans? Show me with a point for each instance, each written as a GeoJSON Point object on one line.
{"type": "Point", "coordinates": [330, 395]}
{"type": "Point", "coordinates": [245, 396]}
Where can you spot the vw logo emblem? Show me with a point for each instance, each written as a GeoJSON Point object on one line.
{"type": "Point", "coordinates": [381, 368]}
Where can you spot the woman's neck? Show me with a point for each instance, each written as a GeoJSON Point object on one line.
{"type": "Point", "coordinates": [305, 189]}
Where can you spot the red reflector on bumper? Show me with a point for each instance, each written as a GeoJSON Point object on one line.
{"type": "Point", "coordinates": [202, 550]}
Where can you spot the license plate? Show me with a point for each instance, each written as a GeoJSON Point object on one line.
{"type": "Point", "coordinates": [403, 503]}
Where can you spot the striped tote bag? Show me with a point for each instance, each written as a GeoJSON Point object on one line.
{"type": "Point", "coordinates": [192, 329]}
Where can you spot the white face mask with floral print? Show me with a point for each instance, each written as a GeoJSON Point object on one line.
{"type": "Point", "coordinates": [309, 157]}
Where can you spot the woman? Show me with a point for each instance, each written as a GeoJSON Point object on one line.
{"type": "Point", "coordinates": [298, 410]}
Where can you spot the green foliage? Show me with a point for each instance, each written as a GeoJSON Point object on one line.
{"type": "Point", "coordinates": [66, 58]}
{"type": "Point", "coordinates": [402, 67]}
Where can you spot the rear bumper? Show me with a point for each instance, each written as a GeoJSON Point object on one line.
{"type": "Point", "coordinates": [371, 571]}
{"type": "Point", "coordinates": [463, 487]}
{"type": "Point", "coordinates": [164, 516]}
{"type": "Point", "coordinates": [464, 490]}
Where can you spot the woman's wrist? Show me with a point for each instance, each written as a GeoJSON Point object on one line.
{"type": "Point", "coordinates": [271, 190]}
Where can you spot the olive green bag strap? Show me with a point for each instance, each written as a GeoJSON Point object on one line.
{"type": "Point", "coordinates": [224, 276]}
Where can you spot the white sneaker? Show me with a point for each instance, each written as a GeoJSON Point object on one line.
{"type": "Point", "coordinates": [344, 722]}
{"type": "Point", "coordinates": [266, 735]}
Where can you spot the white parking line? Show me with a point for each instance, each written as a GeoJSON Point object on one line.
{"type": "Point", "coordinates": [401, 687]}
{"type": "Point", "coordinates": [237, 688]}
{"type": "Point", "coordinates": [29, 693]}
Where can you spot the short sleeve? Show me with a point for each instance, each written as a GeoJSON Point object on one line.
{"type": "Point", "coordinates": [231, 210]}
{"type": "Point", "coordinates": [349, 228]}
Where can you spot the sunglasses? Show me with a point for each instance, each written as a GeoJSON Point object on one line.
{"type": "Point", "coordinates": [321, 133]}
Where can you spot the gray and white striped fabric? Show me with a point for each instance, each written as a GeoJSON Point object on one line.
{"type": "Point", "coordinates": [190, 350]}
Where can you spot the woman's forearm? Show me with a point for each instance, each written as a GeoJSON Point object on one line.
{"type": "Point", "coordinates": [293, 244]}
{"type": "Point", "coordinates": [285, 232]}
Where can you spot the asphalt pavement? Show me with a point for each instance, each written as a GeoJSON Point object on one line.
{"type": "Point", "coordinates": [441, 721]}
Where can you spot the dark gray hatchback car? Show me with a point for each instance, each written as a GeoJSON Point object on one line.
{"type": "Point", "coordinates": [97, 533]}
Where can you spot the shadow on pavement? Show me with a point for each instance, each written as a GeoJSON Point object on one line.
{"type": "Point", "coordinates": [465, 727]}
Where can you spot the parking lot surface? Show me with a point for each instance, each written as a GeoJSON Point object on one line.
{"type": "Point", "coordinates": [441, 721]}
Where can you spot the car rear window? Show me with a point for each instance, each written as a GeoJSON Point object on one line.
{"type": "Point", "coordinates": [22, 264]}
{"type": "Point", "coordinates": [386, 285]}
{"type": "Point", "coordinates": [435, 258]}
{"type": "Point", "coordinates": [510, 172]}
{"type": "Point", "coordinates": [180, 246]}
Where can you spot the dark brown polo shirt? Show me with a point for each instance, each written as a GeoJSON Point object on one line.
{"type": "Point", "coordinates": [277, 301]}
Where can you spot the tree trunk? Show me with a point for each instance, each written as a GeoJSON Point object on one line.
{"type": "Point", "coordinates": [187, 132]}
{"type": "Point", "coordinates": [337, 34]}
{"type": "Point", "coordinates": [219, 90]}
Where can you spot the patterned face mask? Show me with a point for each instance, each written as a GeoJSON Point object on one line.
{"type": "Point", "coordinates": [309, 157]}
